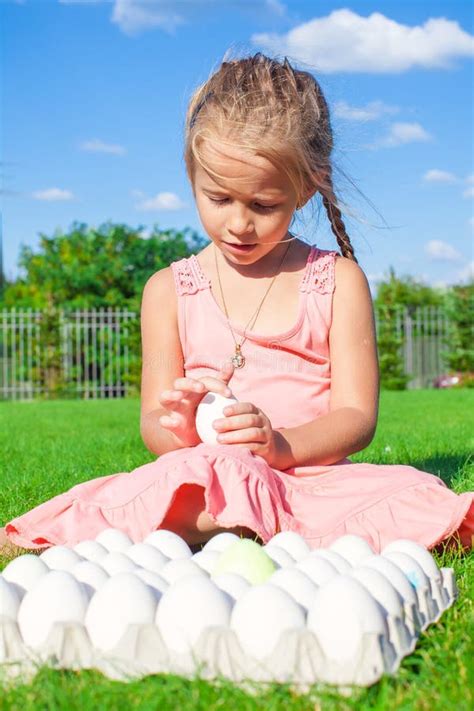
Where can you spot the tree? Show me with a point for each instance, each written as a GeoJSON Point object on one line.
{"type": "Point", "coordinates": [89, 268]}
{"type": "Point", "coordinates": [460, 311]}
{"type": "Point", "coordinates": [92, 268]}
{"type": "Point", "coordinates": [393, 297]}
{"type": "Point", "coordinates": [407, 291]}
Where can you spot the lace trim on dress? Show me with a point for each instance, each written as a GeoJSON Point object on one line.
{"type": "Point", "coordinates": [320, 275]}
{"type": "Point", "coordinates": [187, 278]}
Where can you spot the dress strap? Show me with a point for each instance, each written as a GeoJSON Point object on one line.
{"type": "Point", "coordinates": [188, 277]}
{"type": "Point", "coordinates": [319, 274]}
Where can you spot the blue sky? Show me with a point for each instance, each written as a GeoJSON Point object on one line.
{"type": "Point", "coordinates": [94, 93]}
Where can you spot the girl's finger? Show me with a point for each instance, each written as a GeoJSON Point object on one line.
{"type": "Point", "coordinates": [168, 422]}
{"type": "Point", "coordinates": [253, 434]}
{"type": "Point", "coordinates": [168, 396]}
{"type": "Point", "coordinates": [214, 385]}
{"type": "Point", "coordinates": [189, 385]}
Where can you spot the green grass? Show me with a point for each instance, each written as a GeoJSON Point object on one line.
{"type": "Point", "coordinates": [45, 448]}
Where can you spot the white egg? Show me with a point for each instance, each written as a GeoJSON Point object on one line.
{"type": "Point", "coordinates": [291, 542]}
{"type": "Point", "coordinates": [318, 570]}
{"type": "Point", "coordinates": [187, 608]}
{"type": "Point", "coordinates": [394, 575]}
{"type": "Point", "coordinates": [117, 562]}
{"type": "Point", "coordinates": [176, 569]}
{"type": "Point", "coordinates": [341, 564]}
{"type": "Point", "coordinates": [169, 543]}
{"type": "Point", "coordinates": [147, 556]}
{"type": "Point", "coordinates": [418, 553]}
{"type": "Point", "coordinates": [90, 573]}
{"type": "Point", "coordinates": [380, 588]}
{"type": "Point", "coordinates": [114, 540]}
{"type": "Point", "coordinates": [280, 556]}
{"type": "Point", "coordinates": [297, 584]}
{"type": "Point", "coordinates": [91, 550]}
{"type": "Point", "coordinates": [353, 548]}
{"type": "Point", "coordinates": [9, 599]}
{"type": "Point", "coordinates": [154, 580]}
{"type": "Point", "coordinates": [57, 597]}
{"type": "Point", "coordinates": [206, 560]}
{"type": "Point", "coordinates": [411, 569]}
{"type": "Point", "coordinates": [220, 542]}
{"type": "Point", "coordinates": [399, 581]}
{"type": "Point", "coordinates": [341, 613]}
{"type": "Point", "coordinates": [60, 558]}
{"type": "Point", "coordinates": [25, 570]}
{"type": "Point", "coordinates": [231, 583]}
{"type": "Point", "coordinates": [420, 581]}
{"type": "Point", "coordinates": [391, 601]}
{"type": "Point", "coordinates": [121, 601]}
{"type": "Point", "coordinates": [211, 408]}
{"type": "Point", "coordinates": [261, 615]}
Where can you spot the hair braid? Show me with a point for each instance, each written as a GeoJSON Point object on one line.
{"type": "Point", "coordinates": [337, 224]}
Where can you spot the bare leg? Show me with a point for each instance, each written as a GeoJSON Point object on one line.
{"type": "Point", "coordinates": [11, 550]}
{"type": "Point", "coordinates": [187, 517]}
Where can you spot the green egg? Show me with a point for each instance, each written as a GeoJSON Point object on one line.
{"type": "Point", "coordinates": [248, 559]}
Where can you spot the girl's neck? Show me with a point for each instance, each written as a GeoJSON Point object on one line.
{"type": "Point", "coordinates": [263, 268]}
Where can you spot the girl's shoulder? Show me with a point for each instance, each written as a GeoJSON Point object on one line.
{"type": "Point", "coordinates": [320, 272]}
{"type": "Point", "coordinates": [187, 275]}
{"type": "Point", "coordinates": [349, 275]}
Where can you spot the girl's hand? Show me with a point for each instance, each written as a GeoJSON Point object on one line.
{"type": "Point", "coordinates": [182, 403]}
{"type": "Point", "coordinates": [247, 425]}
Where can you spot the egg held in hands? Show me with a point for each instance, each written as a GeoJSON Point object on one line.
{"type": "Point", "coordinates": [211, 408]}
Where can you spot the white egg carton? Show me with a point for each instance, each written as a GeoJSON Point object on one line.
{"type": "Point", "coordinates": [282, 612]}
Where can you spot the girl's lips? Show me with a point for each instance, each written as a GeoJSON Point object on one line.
{"type": "Point", "coordinates": [240, 248]}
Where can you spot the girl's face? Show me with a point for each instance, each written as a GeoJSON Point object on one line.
{"type": "Point", "coordinates": [252, 204]}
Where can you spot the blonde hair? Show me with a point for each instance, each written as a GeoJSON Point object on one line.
{"type": "Point", "coordinates": [265, 106]}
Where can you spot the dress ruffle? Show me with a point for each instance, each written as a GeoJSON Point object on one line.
{"type": "Point", "coordinates": [380, 503]}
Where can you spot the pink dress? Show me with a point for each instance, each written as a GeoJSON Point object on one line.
{"type": "Point", "coordinates": [288, 376]}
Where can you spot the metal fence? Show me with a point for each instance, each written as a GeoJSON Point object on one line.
{"type": "Point", "coordinates": [424, 332]}
{"type": "Point", "coordinates": [88, 353]}
{"type": "Point", "coordinates": [83, 353]}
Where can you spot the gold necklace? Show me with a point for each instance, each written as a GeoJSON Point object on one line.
{"type": "Point", "coordinates": [238, 359]}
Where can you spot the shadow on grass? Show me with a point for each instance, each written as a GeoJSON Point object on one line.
{"type": "Point", "coordinates": [447, 466]}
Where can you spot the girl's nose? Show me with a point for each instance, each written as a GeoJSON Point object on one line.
{"type": "Point", "coordinates": [239, 222]}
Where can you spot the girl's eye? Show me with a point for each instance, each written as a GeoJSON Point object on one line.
{"type": "Point", "coordinates": [266, 208]}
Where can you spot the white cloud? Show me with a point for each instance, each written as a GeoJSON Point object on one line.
{"type": "Point", "coordinates": [134, 16]}
{"type": "Point", "coordinates": [469, 192]}
{"type": "Point", "coordinates": [370, 112]}
{"type": "Point", "coordinates": [439, 176]}
{"type": "Point", "coordinates": [471, 221]}
{"type": "Point", "coordinates": [52, 194]}
{"type": "Point", "coordinates": [436, 249]}
{"type": "Point", "coordinates": [276, 6]}
{"type": "Point", "coordinates": [470, 178]}
{"type": "Point", "coordinates": [97, 146]}
{"type": "Point", "coordinates": [344, 41]}
{"type": "Point", "coordinates": [402, 133]}
{"type": "Point", "coordinates": [161, 201]}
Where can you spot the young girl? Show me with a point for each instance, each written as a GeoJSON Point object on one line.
{"type": "Point", "coordinates": [288, 329]}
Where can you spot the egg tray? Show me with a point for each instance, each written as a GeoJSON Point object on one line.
{"type": "Point", "coordinates": [297, 658]}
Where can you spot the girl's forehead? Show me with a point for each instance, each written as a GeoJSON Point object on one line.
{"type": "Point", "coordinates": [238, 169]}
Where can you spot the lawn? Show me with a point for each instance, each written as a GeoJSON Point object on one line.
{"type": "Point", "coordinates": [45, 448]}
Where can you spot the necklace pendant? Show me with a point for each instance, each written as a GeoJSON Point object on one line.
{"type": "Point", "coordinates": [238, 359]}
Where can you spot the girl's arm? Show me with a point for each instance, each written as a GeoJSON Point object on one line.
{"type": "Point", "coordinates": [352, 420]}
{"type": "Point", "coordinates": [162, 359]}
